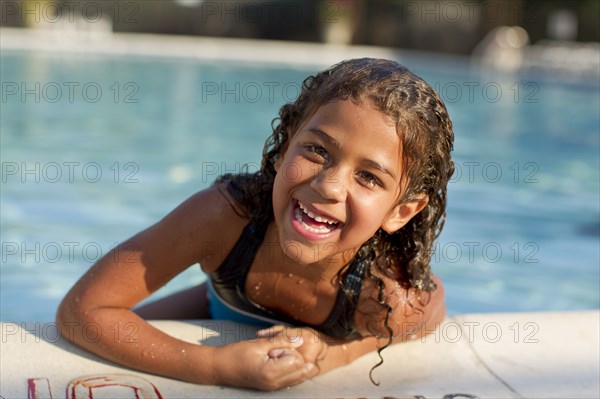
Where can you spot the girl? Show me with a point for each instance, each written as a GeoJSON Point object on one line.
{"type": "Point", "coordinates": [332, 238]}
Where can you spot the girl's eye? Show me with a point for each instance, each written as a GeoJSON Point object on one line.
{"type": "Point", "coordinates": [317, 150]}
{"type": "Point", "coordinates": [369, 180]}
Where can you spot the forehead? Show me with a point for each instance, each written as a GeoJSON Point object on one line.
{"type": "Point", "coordinates": [351, 121]}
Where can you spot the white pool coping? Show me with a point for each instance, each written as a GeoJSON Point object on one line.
{"type": "Point", "coordinates": [286, 53]}
{"type": "Point", "coordinates": [510, 355]}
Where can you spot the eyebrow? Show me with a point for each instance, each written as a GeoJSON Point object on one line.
{"type": "Point", "coordinates": [371, 163]}
{"type": "Point", "coordinates": [326, 137]}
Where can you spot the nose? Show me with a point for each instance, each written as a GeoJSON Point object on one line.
{"type": "Point", "coordinates": [329, 183]}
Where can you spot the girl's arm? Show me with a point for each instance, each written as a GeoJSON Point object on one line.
{"type": "Point", "coordinates": [96, 314]}
{"type": "Point", "coordinates": [406, 320]}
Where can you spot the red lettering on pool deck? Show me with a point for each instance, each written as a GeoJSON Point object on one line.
{"type": "Point", "coordinates": [38, 388]}
{"type": "Point", "coordinates": [83, 388]}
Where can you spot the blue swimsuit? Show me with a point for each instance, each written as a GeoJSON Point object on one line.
{"type": "Point", "coordinates": [228, 299]}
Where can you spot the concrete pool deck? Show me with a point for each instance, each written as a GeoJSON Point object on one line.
{"type": "Point", "coordinates": [511, 355]}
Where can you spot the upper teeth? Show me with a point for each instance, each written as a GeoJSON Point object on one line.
{"type": "Point", "coordinates": [312, 215]}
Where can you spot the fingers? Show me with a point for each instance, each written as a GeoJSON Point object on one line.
{"type": "Point", "coordinates": [287, 331]}
{"type": "Point", "coordinates": [284, 355]}
{"type": "Point", "coordinates": [287, 369]}
{"type": "Point", "coordinates": [266, 363]}
{"type": "Point", "coordinates": [277, 363]}
{"type": "Point", "coordinates": [269, 332]}
{"type": "Point", "coordinates": [277, 353]}
{"type": "Point", "coordinates": [310, 370]}
{"type": "Point", "coordinates": [294, 378]}
{"type": "Point", "coordinates": [281, 345]}
{"type": "Point", "coordinates": [312, 347]}
{"type": "Point", "coordinates": [290, 334]}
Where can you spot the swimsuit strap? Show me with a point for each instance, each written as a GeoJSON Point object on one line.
{"type": "Point", "coordinates": [340, 322]}
{"type": "Point", "coordinates": [228, 280]}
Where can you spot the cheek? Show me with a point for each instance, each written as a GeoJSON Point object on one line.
{"type": "Point", "coordinates": [288, 175]}
{"type": "Point", "coordinates": [278, 188]}
{"type": "Point", "coordinates": [370, 212]}
{"type": "Point", "coordinates": [294, 170]}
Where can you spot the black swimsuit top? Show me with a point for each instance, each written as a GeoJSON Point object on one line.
{"type": "Point", "coordinates": [229, 280]}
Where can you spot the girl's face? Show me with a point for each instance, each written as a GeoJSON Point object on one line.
{"type": "Point", "coordinates": [338, 182]}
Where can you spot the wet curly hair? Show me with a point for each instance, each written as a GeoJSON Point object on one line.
{"type": "Point", "coordinates": [425, 130]}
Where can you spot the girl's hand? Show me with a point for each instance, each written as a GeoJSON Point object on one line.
{"type": "Point", "coordinates": [266, 363]}
{"type": "Point", "coordinates": [313, 350]}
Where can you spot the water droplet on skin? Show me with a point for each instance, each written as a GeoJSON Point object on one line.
{"type": "Point", "coordinates": [290, 275]}
{"type": "Point", "coordinates": [147, 352]}
{"type": "Point", "coordinates": [300, 281]}
{"type": "Point", "coordinates": [344, 347]}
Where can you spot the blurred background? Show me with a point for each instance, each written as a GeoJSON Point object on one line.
{"type": "Point", "coordinates": [114, 112]}
{"type": "Point", "coordinates": [446, 26]}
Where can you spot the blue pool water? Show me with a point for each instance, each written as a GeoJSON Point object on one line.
{"type": "Point", "coordinates": [96, 148]}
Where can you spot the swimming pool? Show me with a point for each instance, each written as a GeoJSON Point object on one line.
{"type": "Point", "coordinates": [95, 148]}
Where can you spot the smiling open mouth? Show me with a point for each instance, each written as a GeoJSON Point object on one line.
{"type": "Point", "coordinates": [312, 222]}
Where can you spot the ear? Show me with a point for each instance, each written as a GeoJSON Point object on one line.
{"type": "Point", "coordinates": [402, 213]}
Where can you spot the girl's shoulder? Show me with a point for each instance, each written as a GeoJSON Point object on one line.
{"type": "Point", "coordinates": [211, 221]}
{"type": "Point", "coordinates": [213, 206]}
